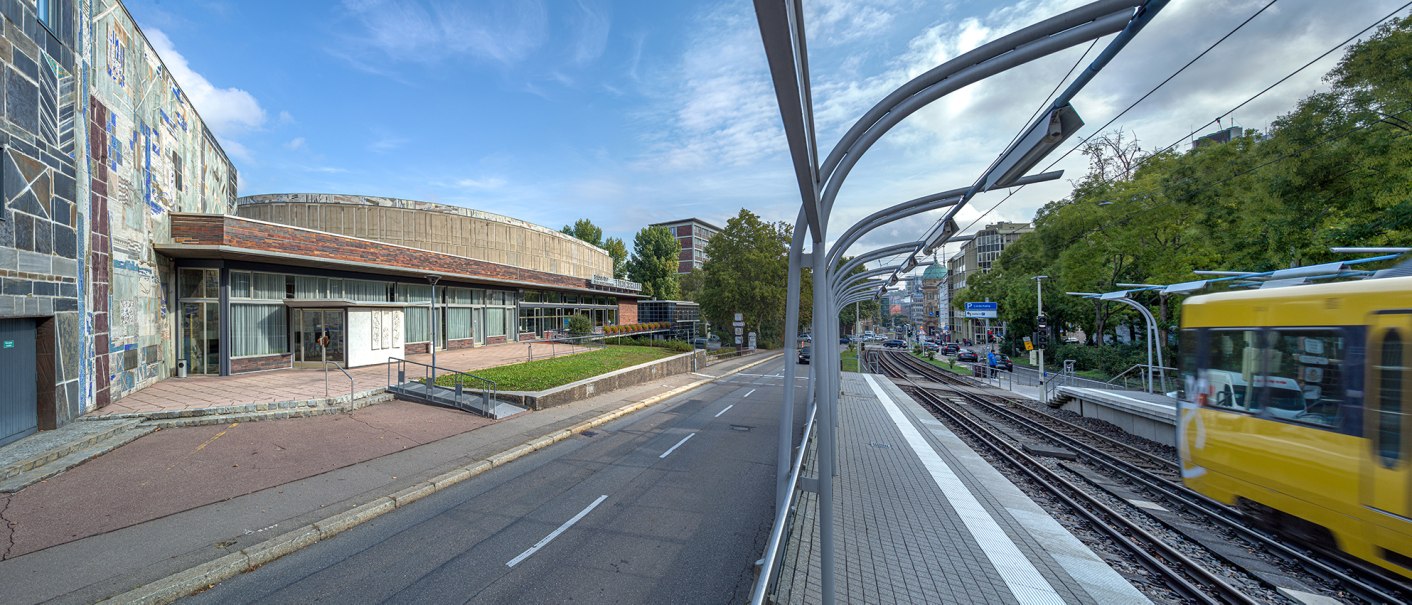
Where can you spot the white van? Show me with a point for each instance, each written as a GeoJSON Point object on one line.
{"type": "Point", "coordinates": [1228, 390]}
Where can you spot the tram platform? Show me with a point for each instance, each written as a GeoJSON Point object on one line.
{"type": "Point", "coordinates": [1147, 415]}
{"type": "Point", "coordinates": [921, 518]}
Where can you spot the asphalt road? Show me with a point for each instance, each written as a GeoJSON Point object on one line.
{"type": "Point", "coordinates": [672, 504]}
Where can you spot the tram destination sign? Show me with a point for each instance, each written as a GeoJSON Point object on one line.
{"type": "Point", "coordinates": [982, 310]}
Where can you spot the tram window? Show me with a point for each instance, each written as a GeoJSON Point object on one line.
{"type": "Point", "coordinates": [1189, 346]}
{"type": "Point", "coordinates": [1232, 370]}
{"type": "Point", "coordinates": [1390, 370]}
{"type": "Point", "coordinates": [1306, 376]}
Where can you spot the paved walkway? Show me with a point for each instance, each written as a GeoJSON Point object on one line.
{"type": "Point", "coordinates": [196, 392]}
{"type": "Point", "coordinates": [921, 518]}
{"type": "Point", "coordinates": [181, 497]}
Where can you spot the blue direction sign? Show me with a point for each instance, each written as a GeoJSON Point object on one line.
{"type": "Point", "coordinates": [982, 310]}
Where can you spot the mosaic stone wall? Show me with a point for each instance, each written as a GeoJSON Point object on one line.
{"type": "Point", "coordinates": [41, 225]}
{"type": "Point", "coordinates": [152, 155]}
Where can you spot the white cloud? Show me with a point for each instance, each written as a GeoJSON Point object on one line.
{"type": "Point", "coordinates": [227, 111]}
{"type": "Point", "coordinates": [286, 118]}
{"type": "Point", "coordinates": [384, 143]}
{"type": "Point", "coordinates": [482, 183]}
{"type": "Point", "coordinates": [590, 34]}
{"type": "Point", "coordinates": [414, 31]}
{"type": "Point", "coordinates": [295, 144]}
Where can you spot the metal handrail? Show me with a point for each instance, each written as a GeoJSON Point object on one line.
{"type": "Point", "coordinates": [775, 547]}
{"type": "Point", "coordinates": [489, 388]}
{"type": "Point", "coordinates": [345, 373]}
{"type": "Point", "coordinates": [1148, 378]}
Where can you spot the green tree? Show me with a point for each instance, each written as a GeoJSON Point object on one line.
{"type": "Point", "coordinates": [654, 263]}
{"type": "Point", "coordinates": [585, 230]}
{"type": "Point", "coordinates": [745, 273]}
{"type": "Point", "coordinates": [691, 284]}
{"type": "Point", "coordinates": [619, 252]}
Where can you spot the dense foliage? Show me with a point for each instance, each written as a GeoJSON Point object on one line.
{"type": "Point", "coordinates": [655, 252]}
{"type": "Point", "coordinates": [1334, 171]}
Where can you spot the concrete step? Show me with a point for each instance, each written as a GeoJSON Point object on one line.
{"type": "Point", "coordinates": [271, 413]}
{"type": "Point", "coordinates": [73, 457]}
{"type": "Point", "coordinates": [276, 406]}
{"type": "Point", "coordinates": [45, 447]}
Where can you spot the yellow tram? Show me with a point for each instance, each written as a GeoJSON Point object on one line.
{"type": "Point", "coordinates": [1295, 409]}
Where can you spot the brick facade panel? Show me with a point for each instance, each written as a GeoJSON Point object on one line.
{"type": "Point", "coordinates": [216, 230]}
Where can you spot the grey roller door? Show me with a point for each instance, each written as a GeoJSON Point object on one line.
{"type": "Point", "coordinates": [18, 405]}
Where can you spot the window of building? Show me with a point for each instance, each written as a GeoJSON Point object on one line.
{"type": "Point", "coordinates": [458, 323]}
{"type": "Point", "coordinates": [258, 329]}
{"type": "Point", "coordinates": [418, 324]}
{"type": "Point", "coordinates": [495, 322]}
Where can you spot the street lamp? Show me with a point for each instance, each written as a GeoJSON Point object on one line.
{"type": "Point", "coordinates": [1041, 324]}
{"type": "Point", "coordinates": [433, 279]}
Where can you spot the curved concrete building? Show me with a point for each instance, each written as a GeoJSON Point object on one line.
{"type": "Point", "coordinates": [435, 227]}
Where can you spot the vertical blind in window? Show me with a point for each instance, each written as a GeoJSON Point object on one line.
{"type": "Point", "coordinates": [458, 323]}
{"type": "Point", "coordinates": [257, 329]}
{"type": "Point", "coordinates": [418, 324]}
{"type": "Point", "coordinates": [495, 322]}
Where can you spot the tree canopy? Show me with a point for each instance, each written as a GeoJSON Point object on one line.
{"type": "Point", "coordinates": [585, 230]}
{"type": "Point", "coordinates": [745, 273]}
{"type": "Point", "coordinates": [619, 252]}
{"type": "Point", "coordinates": [1334, 171]}
{"type": "Point", "coordinates": [654, 263]}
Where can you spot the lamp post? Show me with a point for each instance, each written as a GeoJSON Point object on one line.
{"type": "Point", "coordinates": [432, 345]}
{"type": "Point", "coordinates": [1040, 323]}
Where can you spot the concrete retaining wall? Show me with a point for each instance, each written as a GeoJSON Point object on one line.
{"type": "Point", "coordinates": [626, 377]}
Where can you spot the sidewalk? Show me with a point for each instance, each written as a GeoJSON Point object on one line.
{"type": "Point", "coordinates": [183, 497]}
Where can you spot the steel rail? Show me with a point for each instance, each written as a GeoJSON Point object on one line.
{"type": "Point", "coordinates": [1117, 527]}
{"type": "Point", "coordinates": [1187, 499]}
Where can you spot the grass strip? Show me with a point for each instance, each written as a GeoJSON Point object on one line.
{"type": "Point", "coordinates": [549, 373]}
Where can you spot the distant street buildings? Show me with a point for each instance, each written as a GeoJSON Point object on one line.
{"type": "Point", "coordinates": [976, 255]}
{"type": "Point", "coordinates": [692, 234]}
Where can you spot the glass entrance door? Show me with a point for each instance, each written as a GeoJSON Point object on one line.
{"type": "Point", "coordinates": [317, 331]}
{"type": "Point", "coordinates": [200, 329]}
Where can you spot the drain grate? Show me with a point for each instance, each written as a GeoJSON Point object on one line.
{"type": "Point", "coordinates": [742, 428]}
{"type": "Point", "coordinates": [881, 446]}
{"type": "Point", "coordinates": [589, 433]}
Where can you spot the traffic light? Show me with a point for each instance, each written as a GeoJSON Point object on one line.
{"type": "Point", "coordinates": [1042, 322]}
{"type": "Point", "coordinates": [1042, 337]}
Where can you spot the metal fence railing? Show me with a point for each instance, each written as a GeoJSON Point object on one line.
{"type": "Point", "coordinates": [770, 564]}
{"type": "Point", "coordinates": [465, 391]}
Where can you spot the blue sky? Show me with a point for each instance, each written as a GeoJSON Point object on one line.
{"type": "Point", "coordinates": [629, 113]}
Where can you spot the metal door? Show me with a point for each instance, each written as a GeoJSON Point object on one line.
{"type": "Point", "coordinates": [19, 405]}
{"type": "Point", "coordinates": [1388, 470]}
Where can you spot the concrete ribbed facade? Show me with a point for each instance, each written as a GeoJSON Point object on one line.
{"type": "Point", "coordinates": [436, 227]}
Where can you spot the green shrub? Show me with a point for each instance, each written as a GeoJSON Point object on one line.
{"type": "Point", "coordinates": [580, 324]}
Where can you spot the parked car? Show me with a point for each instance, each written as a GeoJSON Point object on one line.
{"type": "Point", "coordinates": [950, 348]}
{"type": "Point", "coordinates": [895, 344]}
{"type": "Point", "coordinates": [931, 346]}
{"type": "Point", "coordinates": [804, 354]}
{"type": "Point", "coordinates": [843, 340]}
{"type": "Point", "coordinates": [710, 343]}
{"type": "Point", "coordinates": [966, 355]}
{"type": "Point", "coordinates": [1002, 362]}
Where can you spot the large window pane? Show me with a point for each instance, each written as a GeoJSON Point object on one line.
{"type": "Point", "coordinates": [1235, 365]}
{"type": "Point", "coordinates": [413, 293]}
{"type": "Point", "coordinates": [365, 291]}
{"type": "Point", "coordinates": [239, 284]}
{"type": "Point", "coordinates": [310, 288]}
{"type": "Point", "coordinates": [192, 281]}
{"type": "Point", "coordinates": [257, 329]}
{"type": "Point", "coordinates": [458, 323]}
{"type": "Point", "coordinates": [495, 321]}
{"type": "Point", "coordinates": [418, 324]}
{"type": "Point", "coordinates": [1306, 376]}
{"type": "Point", "coordinates": [267, 286]}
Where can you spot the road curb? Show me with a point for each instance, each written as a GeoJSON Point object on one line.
{"type": "Point", "coordinates": [205, 575]}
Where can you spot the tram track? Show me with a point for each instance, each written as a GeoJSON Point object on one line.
{"type": "Point", "coordinates": [1144, 471]}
